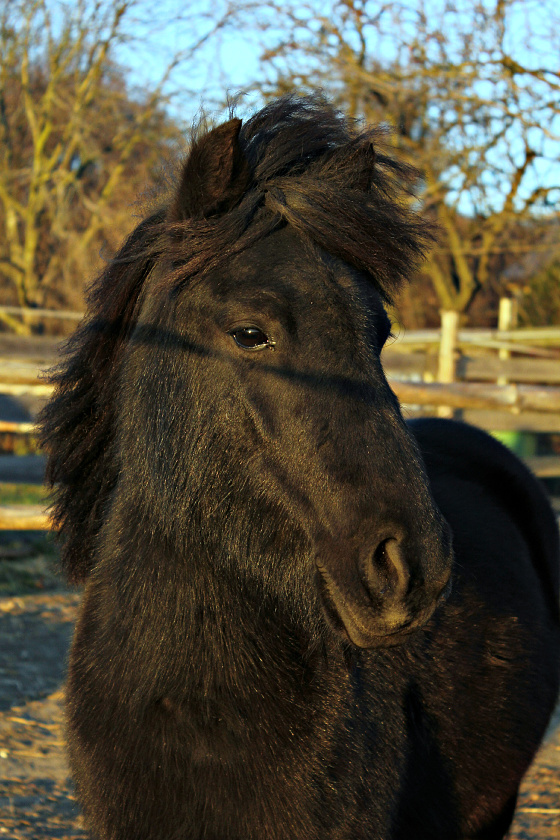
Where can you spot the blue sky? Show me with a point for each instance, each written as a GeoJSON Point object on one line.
{"type": "Point", "coordinates": [227, 64]}
{"type": "Point", "coordinates": [231, 62]}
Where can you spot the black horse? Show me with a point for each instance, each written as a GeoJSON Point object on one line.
{"type": "Point", "coordinates": [277, 638]}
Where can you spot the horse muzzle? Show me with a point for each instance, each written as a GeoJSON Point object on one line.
{"type": "Point", "coordinates": [376, 597]}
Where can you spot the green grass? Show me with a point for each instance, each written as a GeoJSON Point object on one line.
{"type": "Point", "coordinates": [23, 494]}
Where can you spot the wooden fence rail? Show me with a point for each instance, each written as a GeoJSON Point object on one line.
{"type": "Point", "coordinates": [520, 337]}
{"type": "Point", "coordinates": [33, 312]}
{"type": "Point", "coordinates": [463, 395]}
{"type": "Point", "coordinates": [24, 518]}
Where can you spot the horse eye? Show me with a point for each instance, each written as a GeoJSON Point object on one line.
{"type": "Point", "coordinates": [250, 338]}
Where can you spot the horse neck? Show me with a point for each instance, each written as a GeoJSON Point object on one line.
{"type": "Point", "coordinates": [214, 636]}
{"type": "Point", "coordinates": [249, 706]}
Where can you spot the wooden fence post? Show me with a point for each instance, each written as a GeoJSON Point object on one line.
{"type": "Point", "coordinates": [447, 362]}
{"type": "Point", "coordinates": [507, 320]}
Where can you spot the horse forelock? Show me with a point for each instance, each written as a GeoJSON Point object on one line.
{"type": "Point", "coordinates": [314, 169]}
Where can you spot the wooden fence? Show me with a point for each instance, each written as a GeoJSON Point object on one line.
{"type": "Point", "coordinates": [505, 380]}
{"type": "Point", "coordinates": [24, 518]}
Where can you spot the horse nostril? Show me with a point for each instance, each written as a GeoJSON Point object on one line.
{"type": "Point", "coordinates": [387, 573]}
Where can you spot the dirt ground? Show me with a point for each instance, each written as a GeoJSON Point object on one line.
{"type": "Point", "coordinates": [36, 800]}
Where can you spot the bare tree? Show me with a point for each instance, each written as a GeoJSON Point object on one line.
{"type": "Point", "coordinates": [77, 139]}
{"type": "Point", "coordinates": [471, 92]}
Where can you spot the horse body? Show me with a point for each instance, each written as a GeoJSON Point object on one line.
{"type": "Point", "coordinates": [268, 646]}
{"type": "Point", "coordinates": [490, 643]}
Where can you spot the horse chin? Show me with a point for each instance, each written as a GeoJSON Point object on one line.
{"type": "Point", "coordinates": [368, 625]}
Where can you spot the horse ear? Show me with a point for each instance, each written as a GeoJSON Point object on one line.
{"type": "Point", "coordinates": [215, 175]}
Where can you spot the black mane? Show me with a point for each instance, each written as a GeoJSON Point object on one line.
{"type": "Point", "coordinates": [312, 168]}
